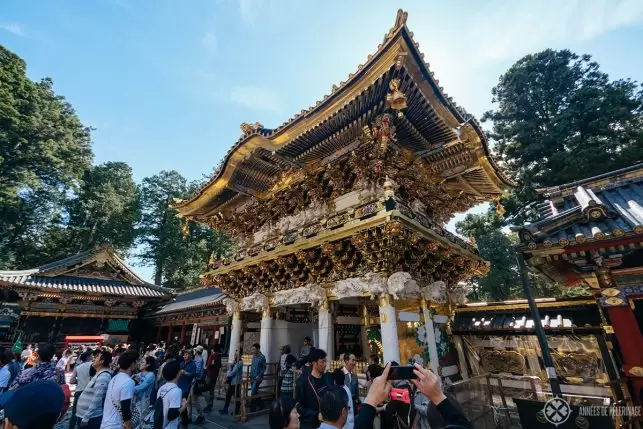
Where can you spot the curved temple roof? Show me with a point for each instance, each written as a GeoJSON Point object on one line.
{"type": "Point", "coordinates": [431, 124]}
{"type": "Point", "coordinates": [600, 208]}
{"type": "Point", "coordinates": [95, 271]}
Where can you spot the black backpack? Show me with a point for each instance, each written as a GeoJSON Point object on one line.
{"type": "Point", "coordinates": [159, 415]}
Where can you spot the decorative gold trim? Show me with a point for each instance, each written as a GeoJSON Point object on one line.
{"type": "Point", "coordinates": [525, 306]}
{"type": "Point", "coordinates": [613, 301]}
{"type": "Point", "coordinates": [636, 371]}
{"type": "Point", "coordinates": [385, 300]}
{"type": "Point", "coordinates": [81, 315]}
{"type": "Point", "coordinates": [348, 230]}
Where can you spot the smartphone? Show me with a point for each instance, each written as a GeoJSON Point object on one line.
{"type": "Point", "coordinates": [401, 372]}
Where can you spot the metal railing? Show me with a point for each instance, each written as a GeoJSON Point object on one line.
{"type": "Point", "coordinates": [488, 400]}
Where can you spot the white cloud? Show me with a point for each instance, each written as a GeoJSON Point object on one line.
{"type": "Point", "coordinates": [514, 28]}
{"type": "Point", "coordinates": [209, 41]}
{"type": "Point", "coordinates": [14, 28]}
{"type": "Point", "coordinates": [256, 98]}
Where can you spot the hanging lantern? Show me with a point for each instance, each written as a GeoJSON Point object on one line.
{"type": "Point", "coordinates": [500, 209]}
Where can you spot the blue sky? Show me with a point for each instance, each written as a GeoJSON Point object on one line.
{"type": "Point", "coordinates": [166, 83]}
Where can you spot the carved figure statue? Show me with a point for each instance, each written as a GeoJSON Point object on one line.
{"type": "Point", "coordinates": [436, 292]}
{"type": "Point", "coordinates": [231, 306]}
{"type": "Point", "coordinates": [247, 128]}
{"type": "Point", "coordinates": [356, 286]}
{"type": "Point", "coordinates": [401, 285]}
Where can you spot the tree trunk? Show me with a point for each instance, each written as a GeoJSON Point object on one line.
{"type": "Point", "coordinates": [158, 273]}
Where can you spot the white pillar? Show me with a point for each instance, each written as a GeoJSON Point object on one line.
{"type": "Point", "coordinates": [388, 328]}
{"type": "Point", "coordinates": [265, 338]}
{"type": "Point", "coordinates": [461, 357]}
{"type": "Point", "coordinates": [235, 335]}
{"type": "Point", "coordinates": [366, 323]}
{"type": "Point", "coordinates": [434, 360]}
{"type": "Point", "coordinates": [325, 331]}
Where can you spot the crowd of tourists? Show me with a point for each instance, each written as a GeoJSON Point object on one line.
{"type": "Point", "coordinates": [164, 387]}
{"type": "Point", "coordinates": [115, 388]}
{"type": "Point", "coordinates": [330, 400]}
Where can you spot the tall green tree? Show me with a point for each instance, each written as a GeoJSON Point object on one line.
{"type": "Point", "coordinates": [503, 279]}
{"type": "Point", "coordinates": [178, 250]}
{"type": "Point", "coordinates": [106, 209]}
{"type": "Point", "coordinates": [559, 118]}
{"type": "Point", "coordinates": [44, 151]}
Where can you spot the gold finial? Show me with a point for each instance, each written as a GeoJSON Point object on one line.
{"type": "Point", "coordinates": [400, 19]}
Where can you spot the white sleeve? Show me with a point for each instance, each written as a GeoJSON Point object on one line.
{"type": "Point", "coordinates": [127, 392]}
{"type": "Point", "coordinates": [175, 398]}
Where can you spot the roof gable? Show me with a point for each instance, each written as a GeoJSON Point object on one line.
{"type": "Point", "coordinates": [99, 270]}
{"type": "Point", "coordinates": [431, 126]}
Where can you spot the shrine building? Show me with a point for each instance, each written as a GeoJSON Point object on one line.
{"type": "Point", "coordinates": [195, 316]}
{"type": "Point", "coordinates": [88, 294]}
{"type": "Point", "coordinates": [337, 216]}
{"type": "Point", "coordinates": [590, 236]}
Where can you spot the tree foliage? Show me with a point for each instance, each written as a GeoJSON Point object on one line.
{"type": "Point", "coordinates": [559, 118]}
{"type": "Point", "coordinates": [503, 279]}
{"type": "Point", "coordinates": [44, 151]}
{"type": "Point", "coordinates": [178, 250]}
{"type": "Point", "coordinates": [106, 209]}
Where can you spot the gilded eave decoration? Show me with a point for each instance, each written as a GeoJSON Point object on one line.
{"type": "Point", "coordinates": [385, 248]}
{"type": "Point", "coordinates": [375, 158]}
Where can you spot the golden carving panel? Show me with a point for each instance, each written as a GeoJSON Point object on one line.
{"type": "Point", "coordinates": [495, 361]}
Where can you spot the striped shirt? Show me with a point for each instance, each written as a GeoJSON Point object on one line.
{"type": "Point", "coordinates": [90, 402]}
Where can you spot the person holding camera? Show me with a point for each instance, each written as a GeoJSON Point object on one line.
{"type": "Point", "coordinates": [427, 383]}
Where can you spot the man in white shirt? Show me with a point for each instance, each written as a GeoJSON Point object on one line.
{"type": "Point", "coordinates": [80, 377]}
{"type": "Point", "coordinates": [26, 354]}
{"type": "Point", "coordinates": [171, 395]}
{"type": "Point", "coordinates": [117, 411]}
{"type": "Point", "coordinates": [352, 381]}
{"type": "Point", "coordinates": [61, 365]}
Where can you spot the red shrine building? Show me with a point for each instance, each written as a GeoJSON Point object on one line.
{"type": "Point", "coordinates": [590, 235]}
{"type": "Point", "coordinates": [92, 293]}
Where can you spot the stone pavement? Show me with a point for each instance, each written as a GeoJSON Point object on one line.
{"type": "Point", "coordinates": [214, 420]}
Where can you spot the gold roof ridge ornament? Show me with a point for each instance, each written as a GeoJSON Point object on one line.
{"type": "Point", "coordinates": [396, 98]}
{"type": "Point", "coordinates": [247, 128]}
{"type": "Point", "coordinates": [400, 21]}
